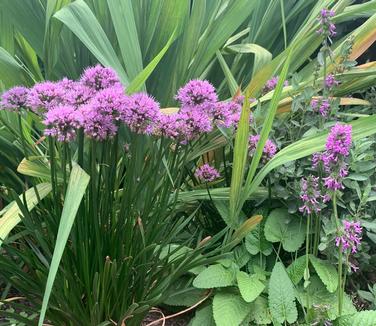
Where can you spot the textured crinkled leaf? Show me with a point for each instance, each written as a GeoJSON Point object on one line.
{"type": "Point", "coordinates": [321, 297]}
{"type": "Point", "coordinates": [296, 269]}
{"type": "Point", "coordinates": [260, 312]}
{"type": "Point", "coordinates": [215, 276]}
{"type": "Point", "coordinates": [229, 309]}
{"type": "Point", "coordinates": [286, 228]}
{"type": "Point", "coordinates": [250, 286]}
{"type": "Point", "coordinates": [326, 272]}
{"type": "Point", "coordinates": [362, 318]}
{"type": "Point", "coordinates": [255, 242]}
{"type": "Point", "coordinates": [203, 316]}
{"type": "Point", "coordinates": [281, 296]}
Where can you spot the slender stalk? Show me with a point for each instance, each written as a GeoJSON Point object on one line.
{"type": "Point", "coordinates": [317, 234]}
{"type": "Point", "coordinates": [23, 143]}
{"type": "Point", "coordinates": [339, 291]}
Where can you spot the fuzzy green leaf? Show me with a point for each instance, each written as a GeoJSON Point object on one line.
{"type": "Point", "coordinates": [326, 272]}
{"type": "Point", "coordinates": [283, 227]}
{"type": "Point", "coordinates": [255, 242]}
{"type": "Point", "coordinates": [250, 286]}
{"type": "Point", "coordinates": [362, 318]}
{"type": "Point", "coordinates": [229, 309]}
{"type": "Point", "coordinates": [260, 312]}
{"type": "Point", "coordinates": [203, 316]}
{"type": "Point", "coordinates": [281, 296]}
{"type": "Point", "coordinates": [296, 269]}
{"type": "Point", "coordinates": [215, 276]}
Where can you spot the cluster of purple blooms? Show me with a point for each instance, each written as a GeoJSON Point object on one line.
{"type": "Point", "coordinates": [310, 195]}
{"type": "Point", "coordinates": [331, 81]}
{"type": "Point", "coordinates": [98, 104]}
{"type": "Point", "coordinates": [333, 163]}
{"type": "Point", "coordinates": [268, 151]}
{"type": "Point", "coordinates": [333, 160]}
{"type": "Point", "coordinates": [351, 236]}
{"type": "Point", "coordinates": [327, 27]}
{"type": "Point", "coordinates": [271, 84]}
{"type": "Point", "coordinates": [321, 106]}
{"type": "Point", "coordinates": [206, 173]}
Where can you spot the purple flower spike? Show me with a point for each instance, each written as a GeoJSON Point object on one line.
{"type": "Point", "coordinates": [327, 28]}
{"type": "Point", "coordinates": [197, 93]}
{"type": "Point", "coordinates": [61, 123]}
{"type": "Point", "coordinates": [339, 140]}
{"type": "Point", "coordinates": [321, 106]}
{"type": "Point", "coordinates": [14, 99]}
{"type": "Point", "coordinates": [98, 78]}
{"type": "Point", "coordinates": [272, 83]}
{"type": "Point", "coordinates": [110, 101]}
{"type": "Point", "coordinates": [140, 113]}
{"type": "Point", "coordinates": [206, 173]}
{"type": "Point", "coordinates": [310, 195]}
{"type": "Point", "coordinates": [351, 237]}
{"type": "Point", "coordinates": [269, 149]}
{"type": "Point", "coordinates": [44, 96]}
{"type": "Point", "coordinates": [330, 81]}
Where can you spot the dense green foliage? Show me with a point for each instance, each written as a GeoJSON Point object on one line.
{"type": "Point", "coordinates": [110, 229]}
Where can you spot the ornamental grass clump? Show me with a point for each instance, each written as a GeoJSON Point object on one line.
{"type": "Point", "coordinates": [123, 251]}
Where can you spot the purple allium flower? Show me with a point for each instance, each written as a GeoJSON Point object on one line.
{"type": "Point", "coordinates": [206, 173]}
{"type": "Point", "coordinates": [321, 106]}
{"type": "Point", "coordinates": [223, 114]}
{"type": "Point", "coordinates": [351, 237]}
{"type": "Point", "coordinates": [14, 98]}
{"type": "Point", "coordinates": [330, 81]}
{"type": "Point", "coordinates": [61, 122]}
{"type": "Point", "coordinates": [140, 113]}
{"type": "Point", "coordinates": [66, 84]}
{"type": "Point", "coordinates": [167, 125]}
{"type": "Point", "coordinates": [197, 93]}
{"type": "Point", "coordinates": [96, 125]}
{"type": "Point", "coordinates": [192, 122]}
{"type": "Point", "coordinates": [110, 101]}
{"type": "Point", "coordinates": [269, 149]}
{"type": "Point", "coordinates": [327, 28]}
{"type": "Point", "coordinates": [310, 195]}
{"type": "Point", "coordinates": [98, 78]}
{"type": "Point", "coordinates": [339, 140]}
{"type": "Point", "coordinates": [271, 84]}
{"type": "Point", "coordinates": [78, 94]}
{"type": "Point", "coordinates": [45, 95]}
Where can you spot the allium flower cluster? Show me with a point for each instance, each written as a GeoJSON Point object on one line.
{"type": "Point", "coordinates": [351, 237]}
{"type": "Point", "coordinates": [310, 195]}
{"type": "Point", "coordinates": [61, 123]}
{"type": "Point", "coordinates": [98, 78]}
{"type": "Point", "coordinates": [140, 113]}
{"type": "Point", "coordinates": [14, 99]}
{"type": "Point", "coordinates": [197, 93]}
{"type": "Point", "coordinates": [97, 104]}
{"type": "Point", "coordinates": [267, 153]}
{"type": "Point", "coordinates": [45, 96]}
{"type": "Point", "coordinates": [332, 160]}
{"type": "Point", "coordinates": [327, 28]}
{"type": "Point", "coordinates": [192, 122]}
{"type": "Point", "coordinates": [206, 173]}
{"type": "Point", "coordinates": [321, 106]}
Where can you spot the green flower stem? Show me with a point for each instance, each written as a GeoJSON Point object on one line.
{"type": "Point", "coordinates": [340, 286]}
{"type": "Point", "coordinates": [23, 143]}
{"type": "Point", "coordinates": [317, 235]}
